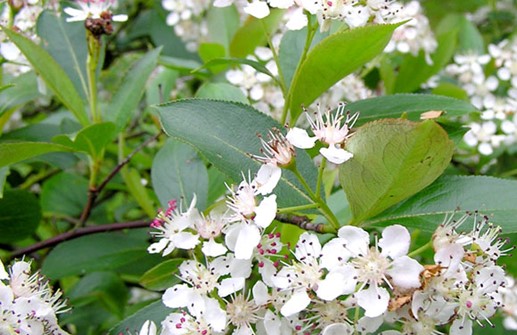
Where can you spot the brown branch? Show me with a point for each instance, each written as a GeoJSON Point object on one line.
{"type": "Point", "coordinates": [93, 193]}
{"type": "Point", "coordinates": [302, 222]}
{"type": "Point", "coordinates": [72, 234]}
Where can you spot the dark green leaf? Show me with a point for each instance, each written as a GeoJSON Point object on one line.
{"type": "Point", "coordinates": [4, 172]}
{"type": "Point", "coordinates": [156, 312]}
{"type": "Point", "coordinates": [104, 287]}
{"type": "Point", "coordinates": [18, 151]}
{"type": "Point", "coordinates": [133, 181]}
{"type": "Point", "coordinates": [178, 173]}
{"type": "Point", "coordinates": [449, 194]}
{"type": "Point", "coordinates": [254, 33]}
{"type": "Point", "coordinates": [92, 139]}
{"type": "Point", "coordinates": [222, 91]}
{"type": "Point", "coordinates": [393, 159]}
{"type": "Point", "coordinates": [64, 193]}
{"type": "Point", "coordinates": [52, 73]}
{"type": "Point", "coordinates": [24, 89]}
{"type": "Point", "coordinates": [99, 252]}
{"type": "Point", "coordinates": [225, 133]}
{"type": "Point", "coordinates": [469, 38]}
{"type": "Point", "coordinates": [332, 59]}
{"type": "Point", "coordinates": [412, 105]}
{"type": "Point", "coordinates": [66, 43]}
{"type": "Point", "coordinates": [20, 214]}
{"type": "Point", "coordinates": [125, 101]}
{"type": "Point", "coordinates": [222, 24]}
{"type": "Point", "coordinates": [162, 276]}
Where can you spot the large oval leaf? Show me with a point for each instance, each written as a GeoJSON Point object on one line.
{"type": "Point", "coordinates": [449, 194]}
{"type": "Point", "coordinates": [162, 276]}
{"type": "Point", "coordinates": [20, 214]}
{"type": "Point", "coordinates": [393, 159]}
{"type": "Point", "coordinates": [16, 152]}
{"type": "Point", "coordinates": [412, 105]}
{"type": "Point", "coordinates": [226, 133]}
{"type": "Point", "coordinates": [334, 58]}
{"type": "Point", "coordinates": [178, 173]}
{"type": "Point", "coordinates": [116, 251]}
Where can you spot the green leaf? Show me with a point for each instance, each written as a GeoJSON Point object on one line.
{"type": "Point", "coordinates": [92, 139]}
{"type": "Point", "coordinates": [52, 73]}
{"type": "Point", "coordinates": [71, 202]}
{"type": "Point", "coordinates": [11, 153]}
{"type": "Point", "coordinates": [104, 287]}
{"type": "Point", "coordinates": [133, 180]}
{"type": "Point", "coordinates": [254, 33]}
{"type": "Point", "coordinates": [178, 173]}
{"type": "Point", "coordinates": [393, 159]}
{"type": "Point", "coordinates": [4, 172]}
{"type": "Point", "coordinates": [456, 194]}
{"type": "Point", "coordinates": [415, 70]}
{"type": "Point", "coordinates": [222, 91]}
{"type": "Point", "coordinates": [412, 105]}
{"type": "Point", "coordinates": [66, 43]}
{"type": "Point", "coordinates": [99, 252]}
{"type": "Point", "coordinates": [291, 48]}
{"type": "Point", "coordinates": [156, 312]}
{"type": "Point", "coordinates": [334, 58]}
{"type": "Point", "coordinates": [24, 89]}
{"type": "Point", "coordinates": [225, 133]}
{"type": "Point", "coordinates": [209, 51]}
{"type": "Point", "coordinates": [125, 101]}
{"type": "Point", "coordinates": [20, 215]}
{"type": "Point", "coordinates": [469, 38]}
{"type": "Point", "coordinates": [162, 276]}
{"type": "Point", "coordinates": [239, 61]}
{"type": "Point", "coordinates": [222, 23]}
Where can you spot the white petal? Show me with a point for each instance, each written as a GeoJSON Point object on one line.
{"type": "Point", "coordinates": [405, 272]}
{"type": "Point", "coordinates": [213, 249]}
{"type": "Point", "coordinates": [149, 328]}
{"type": "Point", "coordinates": [308, 247]}
{"type": "Point", "coordinates": [3, 273]}
{"type": "Point", "coordinates": [222, 3]}
{"type": "Point", "coordinates": [260, 294]}
{"type": "Point", "coordinates": [214, 315]}
{"type": "Point", "coordinates": [338, 329]}
{"type": "Point", "coordinates": [370, 325]}
{"type": "Point", "coordinates": [461, 326]}
{"type": "Point", "coordinates": [248, 239]}
{"type": "Point", "coordinates": [241, 268]}
{"type": "Point", "coordinates": [265, 212]}
{"type": "Point", "coordinates": [449, 256]}
{"type": "Point", "coordinates": [356, 239]}
{"type": "Point", "coordinates": [267, 177]}
{"type": "Point", "coordinates": [119, 18]}
{"type": "Point", "coordinates": [267, 271]}
{"type": "Point", "coordinates": [185, 240]}
{"type": "Point", "coordinates": [395, 241]}
{"type": "Point", "coordinates": [158, 246]}
{"type": "Point", "coordinates": [336, 155]}
{"type": "Point", "coordinates": [258, 9]}
{"type": "Point", "coordinates": [337, 283]}
{"type": "Point", "coordinates": [297, 21]}
{"type": "Point", "coordinates": [300, 138]}
{"type": "Point", "coordinates": [334, 254]}
{"type": "Point", "coordinates": [272, 323]}
{"type": "Point", "coordinates": [229, 286]}
{"type": "Point", "coordinates": [297, 303]}
{"type": "Point", "coordinates": [374, 300]}
{"type": "Point", "coordinates": [179, 296]}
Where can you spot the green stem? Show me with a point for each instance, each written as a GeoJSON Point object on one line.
{"type": "Point", "coordinates": [421, 249]}
{"type": "Point", "coordinates": [324, 209]}
{"type": "Point", "coordinates": [320, 176]}
{"type": "Point", "coordinates": [275, 58]}
{"type": "Point", "coordinates": [297, 208]}
{"type": "Point", "coordinates": [92, 62]}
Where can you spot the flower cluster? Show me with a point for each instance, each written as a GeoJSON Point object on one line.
{"type": "Point", "coordinates": [188, 20]}
{"type": "Point", "coordinates": [319, 287]}
{"type": "Point", "coordinates": [490, 82]}
{"type": "Point", "coordinates": [28, 305]}
{"type": "Point", "coordinates": [352, 12]}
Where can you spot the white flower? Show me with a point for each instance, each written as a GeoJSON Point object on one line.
{"type": "Point", "coordinates": [328, 129]}
{"type": "Point", "coordinates": [391, 266]}
{"type": "Point", "coordinates": [148, 328]}
{"type": "Point", "coordinates": [93, 9]}
{"type": "Point", "coordinates": [171, 226]}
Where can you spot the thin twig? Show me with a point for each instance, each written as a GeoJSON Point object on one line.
{"type": "Point", "coordinates": [72, 234]}
{"type": "Point", "coordinates": [302, 222]}
{"type": "Point", "coordinates": [93, 193]}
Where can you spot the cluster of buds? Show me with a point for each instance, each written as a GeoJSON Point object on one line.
{"type": "Point", "coordinates": [96, 15]}
{"type": "Point", "coordinates": [28, 305]}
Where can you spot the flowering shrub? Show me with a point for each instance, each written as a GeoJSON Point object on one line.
{"type": "Point", "coordinates": [258, 167]}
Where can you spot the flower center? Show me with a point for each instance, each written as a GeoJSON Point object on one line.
{"type": "Point", "coordinates": [371, 267]}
